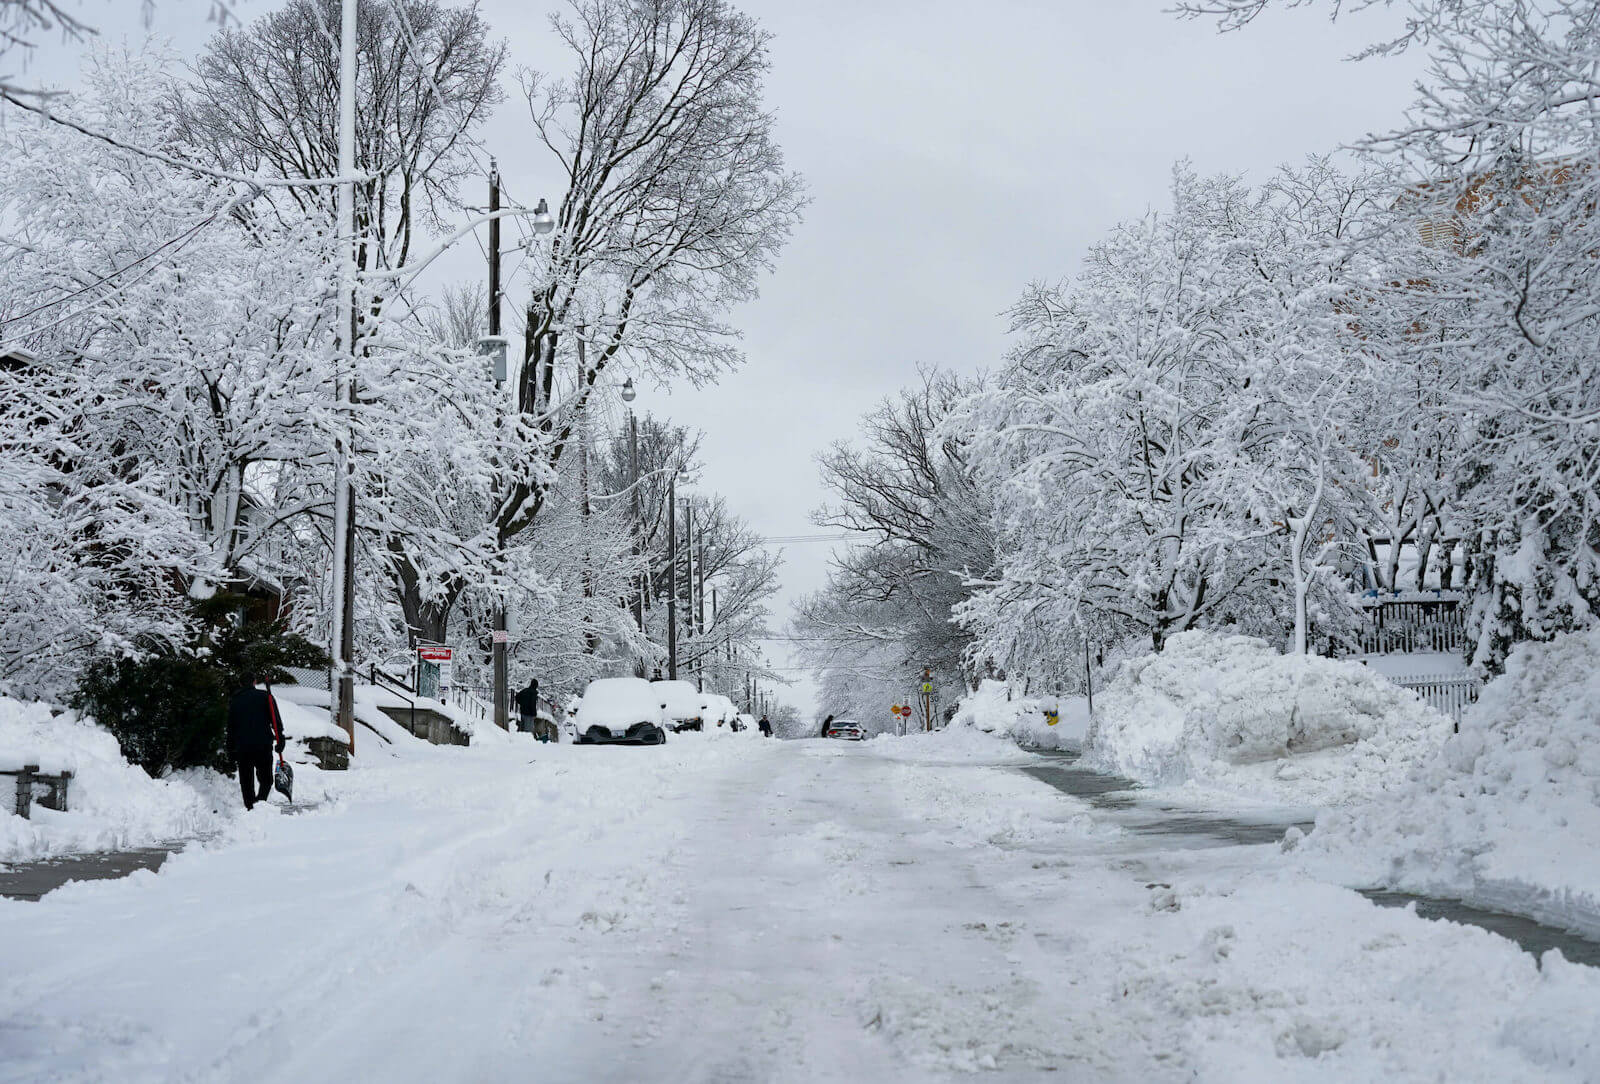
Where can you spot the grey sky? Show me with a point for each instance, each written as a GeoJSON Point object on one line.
{"type": "Point", "coordinates": [954, 152]}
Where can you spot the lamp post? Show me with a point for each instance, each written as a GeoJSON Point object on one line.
{"type": "Point", "coordinates": [628, 396]}
{"type": "Point", "coordinates": [494, 346]}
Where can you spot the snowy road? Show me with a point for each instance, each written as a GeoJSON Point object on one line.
{"type": "Point", "coordinates": [741, 910]}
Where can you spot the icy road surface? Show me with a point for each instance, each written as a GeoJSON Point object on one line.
{"type": "Point", "coordinates": [731, 909]}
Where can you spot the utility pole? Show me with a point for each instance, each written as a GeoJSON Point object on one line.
{"type": "Point", "coordinates": [341, 638]}
{"type": "Point", "coordinates": [699, 596]}
{"type": "Point", "coordinates": [672, 587]}
{"type": "Point", "coordinates": [1088, 677]}
{"type": "Point", "coordinates": [590, 639]}
{"type": "Point", "coordinates": [688, 574]}
{"type": "Point", "coordinates": [633, 466]}
{"type": "Point", "coordinates": [501, 637]}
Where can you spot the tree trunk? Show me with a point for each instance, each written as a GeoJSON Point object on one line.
{"type": "Point", "coordinates": [426, 619]}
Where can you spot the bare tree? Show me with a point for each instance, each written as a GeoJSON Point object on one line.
{"type": "Point", "coordinates": [887, 608]}
{"type": "Point", "coordinates": [266, 97]}
{"type": "Point", "coordinates": [677, 199]}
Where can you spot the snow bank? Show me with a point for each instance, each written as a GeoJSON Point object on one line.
{"type": "Point", "coordinates": [1230, 713]}
{"type": "Point", "coordinates": [994, 709]}
{"type": "Point", "coordinates": [111, 804]}
{"type": "Point", "coordinates": [1507, 813]}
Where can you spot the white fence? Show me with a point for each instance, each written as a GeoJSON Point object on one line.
{"type": "Point", "coordinates": [1406, 625]}
{"type": "Point", "coordinates": [1447, 695]}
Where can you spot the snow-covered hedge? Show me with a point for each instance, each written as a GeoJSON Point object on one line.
{"type": "Point", "coordinates": [1231, 712]}
{"type": "Point", "coordinates": [994, 710]}
{"type": "Point", "coordinates": [111, 804]}
{"type": "Point", "coordinates": [1507, 813]}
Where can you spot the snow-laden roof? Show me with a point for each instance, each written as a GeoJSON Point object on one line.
{"type": "Point", "coordinates": [682, 699]}
{"type": "Point", "coordinates": [619, 703]}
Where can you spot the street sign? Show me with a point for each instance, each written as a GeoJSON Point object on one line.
{"type": "Point", "coordinates": [501, 636]}
{"type": "Point", "coordinates": [434, 667]}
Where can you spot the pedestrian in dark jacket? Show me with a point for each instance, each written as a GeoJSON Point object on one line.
{"type": "Point", "coordinates": [826, 723]}
{"type": "Point", "coordinates": [528, 708]}
{"type": "Point", "coordinates": [254, 731]}
{"type": "Point", "coordinates": [766, 727]}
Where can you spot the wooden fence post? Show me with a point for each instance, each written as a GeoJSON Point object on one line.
{"type": "Point", "coordinates": [25, 790]}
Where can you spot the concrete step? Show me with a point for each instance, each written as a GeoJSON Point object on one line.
{"type": "Point", "coordinates": [428, 725]}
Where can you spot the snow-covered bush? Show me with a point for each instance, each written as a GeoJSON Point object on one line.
{"type": "Point", "coordinates": [1508, 810]}
{"type": "Point", "coordinates": [111, 804]}
{"type": "Point", "coordinates": [994, 709]}
{"type": "Point", "coordinates": [1229, 711]}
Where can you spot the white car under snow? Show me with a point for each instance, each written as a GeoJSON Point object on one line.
{"type": "Point", "coordinates": [620, 711]}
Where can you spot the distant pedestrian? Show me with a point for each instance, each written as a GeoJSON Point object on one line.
{"type": "Point", "coordinates": [528, 708]}
{"type": "Point", "coordinates": [826, 723]}
{"type": "Point", "coordinates": [766, 727]}
{"type": "Point", "coordinates": [254, 732]}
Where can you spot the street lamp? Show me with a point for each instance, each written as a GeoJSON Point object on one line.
{"type": "Point", "coordinates": [494, 345]}
{"type": "Point", "coordinates": [628, 396]}
{"type": "Point", "coordinates": [543, 223]}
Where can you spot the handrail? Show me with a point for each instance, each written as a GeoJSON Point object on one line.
{"type": "Point", "coordinates": [382, 680]}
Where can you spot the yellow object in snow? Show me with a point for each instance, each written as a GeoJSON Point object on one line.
{"type": "Point", "coordinates": [1052, 716]}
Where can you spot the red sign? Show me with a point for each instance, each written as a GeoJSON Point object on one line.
{"type": "Point", "coordinates": [434, 654]}
{"type": "Point", "coordinates": [501, 636]}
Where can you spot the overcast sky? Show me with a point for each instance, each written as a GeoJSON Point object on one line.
{"type": "Point", "coordinates": [954, 152]}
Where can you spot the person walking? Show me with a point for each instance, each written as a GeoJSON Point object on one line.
{"type": "Point", "coordinates": [528, 708]}
{"type": "Point", "coordinates": [254, 732]}
{"type": "Point", "coordinates": [766, 726]}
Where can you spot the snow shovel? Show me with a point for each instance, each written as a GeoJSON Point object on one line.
{"type": "Point", "coordinates": [283, 780]}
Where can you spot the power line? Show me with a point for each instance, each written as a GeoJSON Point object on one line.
{"type": "Point", "coordinates": [772, 540]}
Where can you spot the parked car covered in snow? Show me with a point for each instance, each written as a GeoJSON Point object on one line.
{"type": "Point", "coordinates": [719, 710]}
{"type": "Point", "coordinates": [845, 730]}
{"type": "Point", "coordinates": [620, 711]}
{"type": "Point", "coordinates": [679, 704]}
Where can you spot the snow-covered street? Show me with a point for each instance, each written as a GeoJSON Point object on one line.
{"type": "Point", "coordinates": [730, 909]}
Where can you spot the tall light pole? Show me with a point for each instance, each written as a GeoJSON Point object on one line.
{"type": "Point", "coordinates": [495, 345]}
{"type": "Point", "coordinates": [628, 396]}
{"type": "Point", "coordinates": [341, 638]}
{"type": "Point", "coordinates": [501, 636]}
{"type": "Point", "coordinates": [672, 577]}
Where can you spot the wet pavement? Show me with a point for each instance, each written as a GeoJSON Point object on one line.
{"type": "Point", "coordinates": [1137, 810]}
{"type": "Point", "coordinates": [1128, 804]}
{"type": "Point", "coordinates": [32, 880]}
{"type": "Point", "coordinates": [1532, 936]}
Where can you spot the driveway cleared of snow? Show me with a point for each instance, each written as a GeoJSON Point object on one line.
{"type": "Point", "coordinates": [727, 910]}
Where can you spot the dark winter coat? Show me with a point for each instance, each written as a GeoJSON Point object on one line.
{"type": "Point", "coordinates": [528, 699]}
{"type": "Point", "coordinates": [253, 724]}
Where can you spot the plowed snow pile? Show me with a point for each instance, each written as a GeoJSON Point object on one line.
{"type": "Point", "coordinates": [111, 804]}
{"type": "Point", "coordinates": [1230, 713]}
{"type": "Point", "coordinates": [1508, 813]}
{"type": "Point", "coordinates": [995, 710]}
